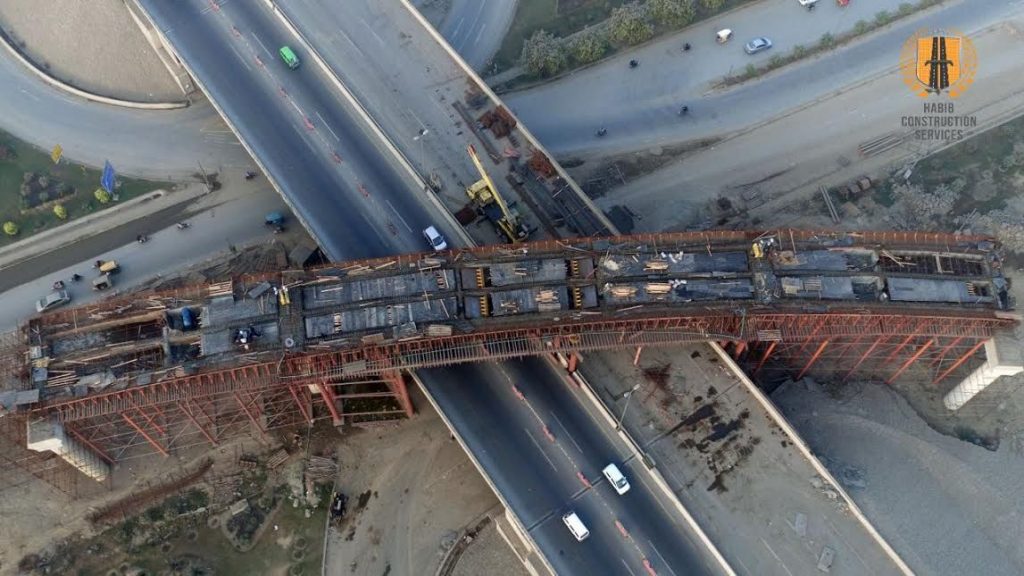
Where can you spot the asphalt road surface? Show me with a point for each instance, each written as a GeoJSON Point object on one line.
{"type": "Point", "coordinates": [538, 475]}
{"type": "Point", "coordinates": [352, 195]}
{"type": "Point", "coordinates": [640, 107]}
{"type": "Point", "coordinates": [476, 28]}
{"type": "Point", "coordinates": [155, 144]}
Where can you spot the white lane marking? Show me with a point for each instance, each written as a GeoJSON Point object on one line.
{"type": "Point", "coordinates": [402, 220]}
{"type": "Point", "coordinates": [269, 53]}
{"type": "Point", "coordinates": [374, 32]}
{"type": "Point", "coordinates": [781, 563]}
{"type": "Point", "coordinates": [623, 560]}
{"type": "Point", "coordinates": [574, 443]}
{"type": "Point", "coordinates": [479, 34]}
{"type": "Point", "coordinates": [245, 61]}
{"type": "Point", "coordinates": [30, 95]}
{"type": "Point", "coordinates": [455, 33]}
{"type": "Point", "coordinates": [544, 454]}
{"type": "Point", "coordinates": [328, 126]}
{"type": "Point", "coordinates": [663, 561]}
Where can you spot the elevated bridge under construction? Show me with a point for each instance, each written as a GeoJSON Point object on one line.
{"type": "Point", "coordinates": [162, 371]}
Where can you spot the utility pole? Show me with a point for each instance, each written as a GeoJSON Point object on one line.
{"type": "Point", "coordinates": [206, 178]}
{"type": "Point", "coordinates": [628, 394]}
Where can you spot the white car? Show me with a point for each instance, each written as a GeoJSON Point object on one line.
{"type": "Point", "coordinates": [53, 300]}
{"type": "Point", "coordinates": [807, 2]}
{"type": "Point", "coordinates": [435, 239]}
{"type": "Point", "coordinates": [576, 526]}
{"type": "Point", "coordinates": [616, 479]}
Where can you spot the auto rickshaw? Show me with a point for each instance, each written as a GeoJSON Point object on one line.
{"type": "Point", "coordinates": [102, 282]}
{"type": "Point", "coordinates": [275, 220]}
{"type": "Point", "coordinates": [108, 267]}
{"type": "Point", "coordinates": [723, 35]}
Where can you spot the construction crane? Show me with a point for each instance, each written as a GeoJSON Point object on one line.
{"type": "Point", "coordinates": [485, 196]}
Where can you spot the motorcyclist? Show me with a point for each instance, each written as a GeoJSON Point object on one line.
{"type": "Point", "coordinates": [633, 63]}
{"type": "Point", "coordinates": [686, 47]}
{"type": "Point", "coordinates": [684, 110]}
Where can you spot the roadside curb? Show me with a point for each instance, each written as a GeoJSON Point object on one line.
{"type": "Point", "coordinates": [65, 87]}
{"type": "Point", "coordinates": [649, 465]}
{"type": "Point", "coordinates": [514, 520]}
{"type": "Point", "coordinates": [820, 468]}
{"type": "Point", "coordinates": [77, 230]}
{"type": "Point", "coordinates": [374, 126]}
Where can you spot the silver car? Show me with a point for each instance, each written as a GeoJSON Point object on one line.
{"type": "Point", "coordinates": [757, 45]}
{"type": "Point", "coordinates": [53, 300]}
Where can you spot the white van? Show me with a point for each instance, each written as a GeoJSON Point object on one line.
{"type": "Point", "coordinates": [616, 479]}
{"type": "Point", "coordinates": [576, 526]}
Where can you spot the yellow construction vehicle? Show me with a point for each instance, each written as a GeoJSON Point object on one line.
{"type": "Point", "coordinates": [486, 197]}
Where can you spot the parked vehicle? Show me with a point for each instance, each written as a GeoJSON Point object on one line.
{"type": "Point", "coordinates": [756, 45]}
{"type": "Point", "coordinates": [53, 300]}
{"type": "Point", "coordinates": [183, 225]}
{"type": "Point", "coordinates": [723, 35]}
{"type": "Point", "coordinates": [102, 282]}
{"type": "Point", "coordinates": [108, 267]}
{"type": "Point", "coordinates": [435, 239]}
{"type": "Point", "coordinates": [275, 220]}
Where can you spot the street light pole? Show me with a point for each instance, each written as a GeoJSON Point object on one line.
{"type": "Point", "coordinates": [419, 138]}
{"type": "Point", "coordinates": [629, 396]}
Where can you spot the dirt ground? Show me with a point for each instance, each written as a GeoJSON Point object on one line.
{"type": "Point", "coordinates": [948, 506]}
{"type": "Point", "coordinates": [412, 491]}
{"type": "Point", "coordinates": [93, 45]}
{"type": "Point", "coordinates": [752, 492]}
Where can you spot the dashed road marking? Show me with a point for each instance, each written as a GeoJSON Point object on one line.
{"type": "Point", "coordinates": [260, 42]}
{"type": "Point", "coordinates": [539, 449]}
{"type": "Point", "coordinates": [400, 219]}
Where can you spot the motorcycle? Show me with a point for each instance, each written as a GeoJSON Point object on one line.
{"type": "Point", "coordinates": [686, 47]}
{"type": "Point", "coordinates": [58, 285]}
{"type": "Point", "coordinates": [633, 63]}
{"type": "Point", "coordinates": [601, 132]}
{"type": "Point", "coordinates": [250, 175]}
{"type": "Point", "coordinates": [141, 238]}
{"type": "Point", "coordinates": [76, 277]}
{"type": "Point", "coordinates": [684, 110]}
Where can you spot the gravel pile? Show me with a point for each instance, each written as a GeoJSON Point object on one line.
{"type": "Point", "coordinates": [947, 506]}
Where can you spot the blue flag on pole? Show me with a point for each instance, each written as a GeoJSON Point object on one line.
{"type": "Point", "coordinates": [107, 180]}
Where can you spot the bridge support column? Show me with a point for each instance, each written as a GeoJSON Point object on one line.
{"type": "Point", "coordinates": [574, 359]}
{"type": "Point", "coordinates": [48, 435]}
{"type": "Point", "coordinates": [1003, 357]}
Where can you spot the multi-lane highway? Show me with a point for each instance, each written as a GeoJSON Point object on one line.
{"type": "Point", "coordinates": [352, 195]}
{"type": "Point", "coordinates": [537, 473]}
{"type": "Point", "coordinates": [295, 123]}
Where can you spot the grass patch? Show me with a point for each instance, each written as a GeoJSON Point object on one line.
{"type": "Point", "coordinates": [77, 181]}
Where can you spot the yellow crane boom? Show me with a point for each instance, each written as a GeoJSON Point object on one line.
{"type": "Point", "coordinates": [490, 185]}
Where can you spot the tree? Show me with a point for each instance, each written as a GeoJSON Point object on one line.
{"type": "Point", "coordinates": [44, 182]}
{"type": "Point", "coordinates": [588, 46]}
{"type": "Point", "coordinates": [827, 40]}
{"type": "Point", "coordinates": [10, 228]}
{"type": "Point", "coordinates": [102, 195]}
{"type": "Point", "coordinates": [43, 197]}
{"type": "Point", "coordinates": [60, 211]}
{"type": "Point", "coordinates": [672, 13]}
{"type": "Point", "coordinates": [861, 27]}
{"type": "Point", "coordinates": [882, 18]}
{"type": "Point", "coordinates": [712, 5]}
{"type": "Point", "coordinates": [543, 54]}
{"type": "Point", "coordinates": [628, 24]}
